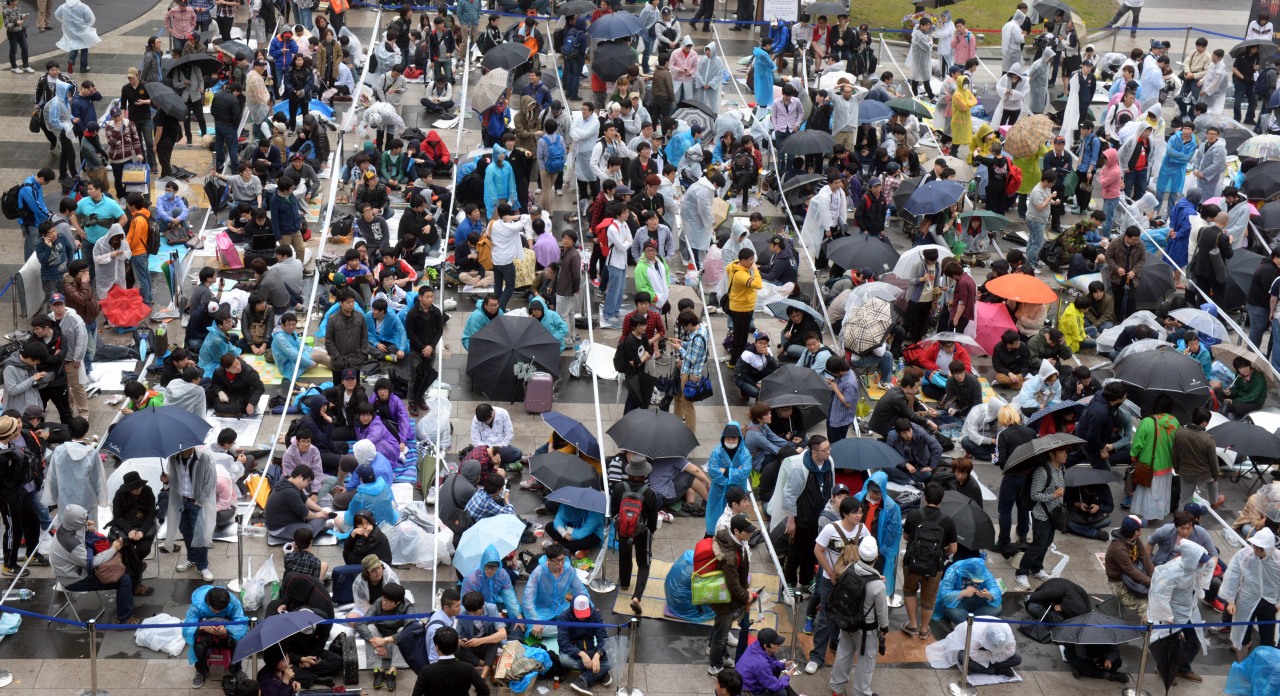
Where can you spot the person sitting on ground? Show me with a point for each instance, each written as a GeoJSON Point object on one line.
{"type": "Point", "coordinates": [1011, 360]}
{"type": "Point", "coordinates": [901, 401]}
{"type": "Point", "coordinates": [547, 592]}
{"type": "Point", "coordinates": [918, 447]}
{"type": "Point", "coordinates": [481, 639]}
{"type": "Point", "coordinates": [932, 361]}
{"type": "Point", "coordinates": [763, 674]}
{"type": "Point", "coordinates": [967, 588]}
{"type": "Point", "coordinates": [235, 388]}
{"type": "Point", "coordinates": [367, 453]}
{"type": "Point", "coordinates": [993, 649]}
{"type": "Point", "coordinates": [959, 477]}
{"type": "Point", "coordinates": [215, 604]}
{"type": "Point", "coordinates": [1041, 390]}
{"type": "Point", "coordinates": [302, 453]}
{"type": "Point", "coordinates": [1096, 662]}
{"type": "Point", "coordinates": [372, 494]}
{"type": "Point", "coordinates": [299, 559]}
{"type": "Point", "coordinates": [582, 647]}
{"type": "Point", "coordinates": [173, 365]}
{"type": "Point", "coordinates": [755, 363]}
{"type": "Point", "coordinates": [276, 678]}
{"type": "Point", "coordinates": [1089, 511]}
{"type": "Point", "coordinates": [1247, 393]}
{"type": "Point", "coordinates": [1128, 565]}
{"type": "Point", "coordinates": [369, 585]}
{"type": "Point", "coordinates": [76, 562]}
{"type": "Point", "coordinates": [369, 426]}
{"type": "Point", "coordinates": [138, 397]}
{"type": "Point", "coordinates": [1080, 384]}
{"type": "Point", "coordinates": [964, 391]}
{"type": "Point", "coordinates": [577, 529]}
{"type": "Point", "coordinates": [490, 501]}
{"type": "Point", "coordinates": [312, 662]}
{"type": "Point", "coordinates": [1166, 542]}
{"type": "Point", "coordinates": [383, 635]}
{"type": "Point", "coordinates": [289, 507]}
{"type": "Point", "coordinates": [186, 393]}
{"type": "Point", "coordinates": [494, 583]}
{"type": "Point", "coordinates": [366, 539]}
{"type": "Point", "coordinates": [1048, 345]}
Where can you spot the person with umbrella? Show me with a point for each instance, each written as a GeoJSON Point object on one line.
{"type": "Point", "coordinates": [1047, 491]}
{"type": "Point", "coordinates": [494, 582]}
{"type": "Point", "coordinates": [1152, 449]}
{"type": "Point", "coordinates": [577, 529]}
{"type": "Point", "coordinates": [212, 603]}
{"type": "Point", "coordinates": [1175, 587]}
{"type": "Point", "coordinates": [636, 486]}
{"type": "Point", "coordinates": [1089, 508]}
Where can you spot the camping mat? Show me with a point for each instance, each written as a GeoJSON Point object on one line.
{"type": "Point", "coordinates": [875, 392]}
{"type": "Point", "coordinates": [898, 646]}
{"type": "Point", "coordinates": [654, 602]}
{"type": "Point", "coordinates": [266, 371]}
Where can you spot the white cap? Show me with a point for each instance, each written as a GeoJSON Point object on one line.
{"type": "Point", "coordinates": [1263, 539]}
{"type": "Point", "coordinates": [581, 607]}
{"type": "Point", "coordinates": [868, 549]}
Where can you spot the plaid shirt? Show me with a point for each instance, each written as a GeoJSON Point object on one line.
{"type": "Point", "coordinates": [652, 325]}
{"type": "Point", "coordinates": [225, 10]}
{"type": "Point", "coordinates": [482, 506]}
{"type": "Point", "coordinates": [693, 353]}
{"type": "Point", "coordinates": [303, 562]}
{"type": "Point", "coordinates": [202, 8]}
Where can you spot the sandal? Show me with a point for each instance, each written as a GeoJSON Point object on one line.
{"type": "Point", "coordinates": [924, 633]}
{"type": "Point", "coordinates": [909, 629]}
{"type": "Point", "coordinates": [635, 606]}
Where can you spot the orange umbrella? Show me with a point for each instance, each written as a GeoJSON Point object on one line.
{"type": "Point", "coordinates": [1022, 288]}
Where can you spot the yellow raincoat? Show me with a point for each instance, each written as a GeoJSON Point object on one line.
{"type": "Point", "coordinates": [984, 137]}
{"type": "Point", "coordinates": [1072, 325]}
{"type": "Point", "coordinates": [961, 120]}
{"type": "Point", "coordinates": [1031, 169]}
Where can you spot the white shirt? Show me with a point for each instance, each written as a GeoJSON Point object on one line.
{"type": "Point", "coordinates": [620, 240]}
{"type": "Point", "coordinates": [497, 435]}
{"type": "Point", "coordinates": [1258, 31]}
{"type": "Point", "coordinates": [506, 240]}
{"type": "Point", "coordinates": [832, 544]}
{"type": "Point", "coordinates": [185, 488]}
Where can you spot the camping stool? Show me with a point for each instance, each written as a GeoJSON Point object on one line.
{"type": "Point", "coordinates": [150, 561]}
{"type": "Point", "coordinates": [70, 602]}
{"type": "Point", "coordinates": [220, 657]}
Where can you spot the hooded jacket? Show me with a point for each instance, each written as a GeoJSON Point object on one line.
{"type": "Point", "coordinates": [20, 390]}
{"type": "Point", "coordinates": [204, 487]}
{"type": "Point", "coordinates": [201, 611]}
{"type": "Point", "coordinates": [375, 498]}
{"type": "Point", "coordinates": [764, 68]}
{"type": "Point", "coordinates": [527, 123]}
{"type": "Point", "coordinates": [187, 396]}
{"type": "Point", "coordinates": [434, 149]}
{"type": "Point", "coordinates": [110, 270]}
{"type": "Point", "coordinates": [375, 543]}
{"type": "Point", "coordinates": [499, 182]}
{"type": "Point", "coordinates": [888, 521]}
{"type": "Point", "coordinates": [478, 320]}
{"type": "Point", "coordinates": [74, 477]}
{"type": "Point", "coordinates": [1110, 178]}
{"type": "Point", "coordinates": [708, 79]}
{"type": "Point", "coordinates": [498, 589]}
{"type": "Point", "coordinates": [952, 584]}
{"type": "Point", "coordinates": [545, 594]}
{"type": "Point", "coordinates": [551, 321]}
{"type": "Point", "coordinates": [376, 432]}
{"type": "Point", "coordinates": [733, 560]}
{"type": "Point", "coordinates": [1175, 593]}
{"type": "Point", "coordinates": [1250, 580]}
{"type": "Point", "coordinates": [725, 469]}
{"type": "Point", "coordinates": [71, 557]}
{"type": "Point", "coordinates": [1037, 392]}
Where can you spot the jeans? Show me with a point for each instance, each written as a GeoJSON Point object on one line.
{"type": "Point", "coordinates": [1135, 184]}
{"type": "Point", "coordinates": [977, 451]}
{"type": "Point", "coordinates": [836, 433]}
{"type": "Point", "coordinates": [1135, 11]}
{"type": "Point", "coordinates": [823, 629]}
{"type": "Point", "coordinates": [304, 17]}
{"type": "Point", "coordinates": [1259, 318]}
{"type": "Point", "coordinates": [142, 276]}
{"type": "Point", "coordinates": [1173, 197]}
{"type": "Point", "coordinates": [1093, 331]}
{"type": "Point", "coordinates": [187, 527]}
{"type": "Point", "coordinates": [1035, 241]}
{"type": "Point", "coordinates": [84, 60]}
{"type": "Point", "coordinates": [1010, 486]}
{"type": "Point", "coordinates": [884, 361]}
{"type": "Point", "coordinates": [613, 298]}
{"type": "Point", "coordinates": [146, 131]}
{"type": "Point", "coordinates": [648, 51]}
{"type": "Point", "coordinates": [573, 662]}
{"type": "Point", "coordinates": [1042, 533]}
{"type": "Point", "coordinates": [18, 39]}
{"type": "Point", "coordinates": [123, 588]}
{"type": "Point", "coordinates": [720, 634]}
{"type": "Point", "coordinates": [751, 390]}
{"type": "Point", "coordinates": [572, 76]}
{"type": "Point", "coordinates": [1275, 338]}
{"type": "Point", "coordinates": [42, 510]}
{"type": "Point", "coordinates": [969, 605]}
{"type": "Point", "coordinates": [1088, 531]}
{"type": "Point", "coordinates": [504, 283]}
{"type": "Point", "coordinates": [1109, 208]}
{"type": "Point", "coordinates": [91, 331]}
{"type": "Point", "coordinates": [1244, 93]}
{"type": "Point", "coordinates": [30, 237]}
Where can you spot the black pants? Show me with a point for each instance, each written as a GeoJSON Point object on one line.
{"type": "Point", "coordinates": [1265, 611]}
{"type": "Point", "coordinates": [61, 400]}
{"type": "Point", "coordinates": [478, 657]}
{"type": "Point", "coordinates": [590, 542]}
{"type": "Point", "coordinates": [917, 319]}
{"type": "Point", "coordinates": [741, 322]}
{"type": "Point", "coordinates": [588, 189]}
{"type": "Point", "coordinates": [206, 642]}
{"type": "Point", "coordinates": [1086, 668]}
{"type": "Point", "coordinates": [704, 13]}
{"type": "Point", "coordinates": [642, 544]}
{"type": "Point", "coordinates": [196, 108]}
{"type": "Point", "coordinates": [224, 26]}
{"type": "Point", "coordinates": [66, 156]}
{"type": "Point", "coordinates": [20, 521]}
{"type": "Point", "coordinates": [997, 201]}
{"type": "Point", "coordinates": [746, 13]}
{"type": "Point", "coordinates": [1042, 533]}
{"type": "Point", "coordinates": [297, 105]}
{"type": "Point", "coordinates": [1083, 195]}
{"type": "Point", "coordinates": [1216, 291]}
{"type": "Point", "coordinates": [18, 39]}
{"type": "Point", "coordinates": [330, 664]}
{"type": "Point", "coordinates": [132, 553]}
{"type": "Point", "coordinates": [928, 88]}
{"type": "Point", "coordinates": [164, 154]}
{"type": "Point", "coordinates": [800, 560]}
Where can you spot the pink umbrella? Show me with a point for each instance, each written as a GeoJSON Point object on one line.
{"type": "Point", "coordinates": [993, 320]}
{"type": "Point", "coordinates": [1253, 210]}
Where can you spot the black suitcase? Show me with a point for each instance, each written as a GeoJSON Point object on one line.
{"type": "Point", "coordinates": [350, 661]}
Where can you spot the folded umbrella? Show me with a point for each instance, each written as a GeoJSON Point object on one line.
{"type": "Point", "coordinates": [653, 433]}
{"type": "Point", "coordinates": [557, 470]}
{"type": "Point", "coordinates": [1170, 653]}
{"type": "Point", "coordinates": [1027, 455]}
{"type": "Point", "coordinates": [864, 454]}
{"type": "Point", "coordinates": [1095, 628]}
{"type": "Point", "coordinates": [862, 251]}
{"type": "Point", "coordinates": [573, 432]}
{"type": "Point", "coordinates": [1246, 439]}
{"type": "Point", "coordinates": [610, 60]}
{"type": "Point", "coordinates": [272, 630]}
{"type": "Point", "coordinates": [616, 25]}
{"type": "Point", "coordinates": [502, 531]}
{"type": "Point", "coordinates": [156, 432]}
{"type": "Point", "coordinates": [792, 385]}
{"type": "Point", "coordinates": [588, 499]}
{"type": "Point", "coordinates": [806, 142]}
{"type": "Point", "coordinates": [1085, 475]}
{"type": "Point", "coordinates": [974, 529]}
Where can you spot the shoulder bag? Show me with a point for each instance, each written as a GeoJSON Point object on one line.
{"type": "Point", "coordinates": [1144, 471]}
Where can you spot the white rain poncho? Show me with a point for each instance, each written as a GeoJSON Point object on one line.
{"type": "Point", "coordinates": [919, 56]}
{"type": "Point", "coordinates": [991, 643]}
{"type": "Point", "coordinates": [1238, 224]}
{"type": "Point", "coordinates": [1175, 593]}
{"type": "Point", "coordinates": [981, 423]}
{"type": "Point", "coordinates": [185, 395]}
{"type": "Point", "coordinates": [710, 73]}
{"type": "Point", "coordinates": [819, 219]}
{"type": "Point", "coordinates": [1011, 40]}
{"type": "Point", "coordinates": [695, 213]}
{"type": "Point", "coordinates": [360, 588]}
{"type": "Point", "coordinates": [1011, 95]}
{"type": "Point", "coordinates": [1249, 579]}
{"type": "Point", "coordinates": [204, 486]}
{"type": "Point", "coordinates": [77, 26]}
{"type": "Point", "coordinates": [944, 32]}
{"type": "Point", "coordinates": [1038, 79]}
{"type": "Point", "coordinates": [75, 477]}
{"type": "Point", "coordinates": [111, 269]}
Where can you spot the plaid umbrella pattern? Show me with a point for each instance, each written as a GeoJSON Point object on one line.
{"type": "Point", "coordinates": [866, 325]}
{"type": "Point", "coordinates": [1027, 135]}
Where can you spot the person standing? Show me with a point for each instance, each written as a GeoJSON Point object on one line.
{"type": "Point", "coordinates": [1251, 589]}
{"type": "Point", "coordinates": [78, 33]}
{"type": "Point", "coordinates": [227, 112]}
{"type": "Point", "coordinates": [744, 282]}
{"type": "Point", "coordinates": [734, 560]}
{"type": "Point", "coordinates": [846, 532]}
{"type": "Point", "coordinates": [424, 324]}
{"type": "Point", "coordinates": [1047, 488]}
{"type": "Point", "coordinates": [635, 485]}
{"type": "Point", "coordinates": [1012, 39]}
{"type": "Point", "coordinates": [136, 101]}
{"type": "Point", "coordinates": [1130, 7]}
{"type": "Point", "coordinates": [804, 498]}
{"type": "Point", "coordinates": [179, 22]}
{"type": "Point", "coordinates": [568, 282]}
{"type": "Point", "coordinates": [139, 231]}
{"type": "Point", "coordinates": [76, 342]}
{"type": "Point", "coordinates": [870, 624]}
{"type": "Point", "coordinates": [1195, 460]}
{"type": "Point", "coordinates": [1205, 266]}
{"type": "Point", "coordinates": [1174, 599]}
{"type": "Point", "coordinates": [1124, 266]}
{"type": "Point", "coordinates": [919, 57]}
{"type": "Point", "coordinates": [193, 483]}
{"type": "Point", "coordinates": [14, 18]}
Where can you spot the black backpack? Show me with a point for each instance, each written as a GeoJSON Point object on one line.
{"type": "Point", "coordinates": [1024, 494]}
{"type": "Point", "coordinates": [743, 161]}
{"type": "Point", "coordinates": [9, 204]}
{"type": "Point", "coordinates": [154, 233]}
{"type": "Point", "coordinates": [459, 520]}
{"type": "Point", "coordinates": [926, 553]}
{"type": "Point", "coordinates": [844, 604]}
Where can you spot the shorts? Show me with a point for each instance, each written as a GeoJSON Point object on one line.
{"type": "Point", "coordinates": [928, 588]}
{"type": "Point", "coordinates": [682, 482]}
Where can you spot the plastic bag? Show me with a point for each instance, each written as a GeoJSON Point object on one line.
{"type": "Point", "coordinates": [436, 421]}
{"type": "Point", "coordinates": [263, 586]}
{"type": "Point", "coordinates": [165, 640]}
{"type": "Point", "coordinates": [9, 624]}
{"type": "Point", "coordinates": [679, 594]}
{"type": "Point", "coordinates": [524, 682]}
{"type": "Point", "coordinates": [1257, 675]}
{"type": "Point", "coordinates": [251, 595]}
{"type": "Point", "coordinates": [411, 544]}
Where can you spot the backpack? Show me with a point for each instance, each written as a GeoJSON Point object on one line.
{"type": "Point", "coordinates": [496, 125]}
{"type": "Point", "coordinates": [926, 556]}
{"type": "Point", "coordinates": [743, 161]}
{"type": "Point", "coordinates": [154, 234]}
{"type": "Point", "coordinates": [555, 154]}
{"type": "Point", "coordinates": [461, 520]}
{"type": "Point", "coordinates": [1024, 494]}
{"type": "Point", "coordinates": [1015, 179]}
{"type": "Point", "coordinates": [704, 556]}
{"type": "Point", "coordinates": [574, 45]}
{"type": "Point", "coordinates": [844, 604]}
{"type": "Point", "coordinates": [9, 203]}
{"type": "Point", "coordinates": [631, 523]}
{"type": "Point", "coordinates": [847, 550]}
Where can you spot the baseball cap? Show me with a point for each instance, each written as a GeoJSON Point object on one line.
{"type": "Point", "coordinates": [1059, 139]}
{"type": "Point", "coordinates": [768, 636]}
{"type": "Point", "coordinates": [696, 128]}
{"type": "Point", "coordinates": [366, 474]}
{"type": "Point", "coordinates": [350, 373]}
{"type": "Point", "coordinates": [298, 156]}
{"type": "Point", "coordinates": [955, 68]}
{"type": "Point", "coordinates": [259, 63]}
{"type": "Point", "coordinates": [1155, 43]}
{"type": "Point", "coordinates": [740, 523]}
{"type": "Point", "coordinates": [1196, 509]}
{"type": "Point", "coordinates": [778, 240]}
{"type": "Point", "coordinates": [57, 298]}
{"type": "Point", "coordinates": [1131, 524]}
{"type": "Point", "coordinates": [622, 190]}
{"type": "Point", "coordinates": [840, 489]}
{"type": "Point", "coordinates": [582, 607]}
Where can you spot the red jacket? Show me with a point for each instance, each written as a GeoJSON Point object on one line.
{"type": "Point", "coordinates": [926, 354]}
{"type": "Point", "coordinates": [432, 146]}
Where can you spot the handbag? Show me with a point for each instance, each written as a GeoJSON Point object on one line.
{"type": "Point", "coordinates": [110, 571]}
{"type": "Point", "coordinates": [1143, 472]}
{"type": "Point", "coordinates": [1215, 260]}
{"type": "Point", "coordinates": [697, 391]}
{"type": "Point", "coordinates": [709, 588]}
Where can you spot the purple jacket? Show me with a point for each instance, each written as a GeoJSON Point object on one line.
{"type": "Point", "coordinates": [294, 459]}
{"type": "Point", "coordinates": [399, 413]}
{"type": "Point", "coordinates": [271, 685]}
{"type": "Point", "coordinates": [760, 671]}
{"type": "Point", "coordinates": [382, 438]}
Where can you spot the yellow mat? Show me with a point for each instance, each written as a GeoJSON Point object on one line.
{"type": "Point", "coordinates": [898, 647]}
{"type": "Point", "coordinates": [874, 392]}
{"type": "Point", "coordinates": [266, 371]}
{"type": "Point", "coordinates": [654, 601]}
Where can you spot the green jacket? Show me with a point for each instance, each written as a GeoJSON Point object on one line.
{"type": "Point", "coordinates": [1040, 349]}
{"type": "Point", "coordinates": [642, 276]}
{"type": "Point", "coordinates": [1252, 390]}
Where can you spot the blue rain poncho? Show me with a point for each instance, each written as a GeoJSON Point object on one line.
{"type": "Point", "coordinates": [478, 320]}
{"type": "Point", "coordinates": [498, 589]}
{"type": "Point", "coordinates": [391, 333]}
{"type": "Point", "coordinates": [953, 583]}
{"type": "Point", "coordinates": [284, 349]}
{"type": "Point", "coordinates": [544, 594]}
{"type": "Point", "coordinates": [726, 470]}
{"type": "Point", "coordinates": [200, 611]}
{"type": "Point", "coordinates": [583, 523]}
{"type": "Point", "coordinates": [888, 531]}
{"type": "Point", "coordinates": [1258, 675]}
{"type": "Point", "coordinates": [376, 498]}
{"type": "Point", "coordinates": [763, 84]}
{"type": "Point", "coordinates": [551, 321]}
{"type": "Point", "coordinates": [680, 596]}
{"type": "Point", "coordinates": [499, 182]}
{"type": "Point", "coordinates": [215, 345]}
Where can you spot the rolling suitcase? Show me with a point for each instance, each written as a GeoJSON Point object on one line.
{"type": "Point", "coordinates": [537, 393]}
{"type": "Point", "coordinates": [350, 660]}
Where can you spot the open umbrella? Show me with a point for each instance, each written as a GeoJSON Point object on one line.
{"type": "Point", "coordinates": [1169, 654]}
{"type": "Point", "coordinates": [695, 113]}
{"type": "Point", "coordinates": [793, 191]}
{"type": "Point", "coordinates": [1054, 408]}
{"type": "Point", "coordinates": [862, 251]}
{"type": "Point", "coordinates": [826, 9]}
{"type": "Point", "coordinates": [1241, 267]}
{"type": "Point", "coordinates": [502, 531]}
{"type": "Point", "coordinates": [576, 7]}
{"type": "Point", "coordinates": [1226, 353]}
{"type": "Point", "coordinates": [964, 172]}
{"type": "Point", "coordinates": [272, 630]}
{"type": "Point", "coordinates": [1027, 135]}
{"type": "Point", "coordinates": [990, 221]}
{"type": "Point", "coordinates": [1155, 286]}
{"type": "Point", "coordinates": [1262, 182]}
{"type": "Point", "coordinates": [165, 99]}
{"type": "Point", "coordinates": [231, 48]}
{"type": "Point", "coordinates": [617, 25]}
{"type": "Point", "coordinates": [610, 60]}
{"type": "Point", "coordinates": [573, 432]}
{"type": "Point", "coordinates": [974, 529]}
{"type": "Point", "coordinates": [907, 262]}
{"type": "Point", "coordinates": [653, 433]}
{"type": "Point", "coordinates": [123, 307]}
{"type": "Point", "coordinates": [588, 499]}
{"type": "Point", "coordinates": [156, 432]}
{"type": "Point", "coordinates": [506, 56]}
{"type": "Point", "coordinates": [874, 112]}
{"type": "Point", "coordinates": [1164, 371]}
{"type": "Point", "coordinates": [954, 337]}
{"type": "Point", "coordinates": [876, 289]}
{"type": "Point", "coordinates": [557, 470]}
{"type": "Point", "coordinates": [1261, 147]}
{"type": "Point", "coordinates": [909, 107]}
{"type": "Point", "coordinates": [1055, 4]}
{"type": "Point", "coordinates": [1140, 346]}
{"type": "Point", "coordinates": [1085, 475]}
{"type": "Point", "coordinates": [935, 196]}
{"type": "Point", "coordinates": [804, 179]}
{"type": "Point", "coordinates": [1095, 628]}
{"type": "Point", "coordinates": [503, 343]}
{"type": "Point", "coordinates": [1247, 439]}
{"type": "Point", "coordinates": [1202, 321]}
{"type": "Point", "coordinates": [864, 454]}
{"type": "Point", "coordinates": [867, 325]}
{"type": "Point", "coordinates": [792, 385]}
{"type": "Point", "coordinates": [207, 62]}
{"type": "Point", "coordinates": [1234, 138]}
{"type": "Point", "coordinates": [993, 320]}
{"type": "Point", "coordinates": [807, 142]}
{"type": "Point", "coordinates": [778, 308]}
{"type": "Point", "coordinates": [548, 78]}
{"type": "Point", "coordinates": [903, 194]}
{"type": "Point", "coordinates": [489, 89]}
{"type": "Point", "coordinates": [1025, 456]}
{"type": "Point", "coordinates": [1021, 287]}
{"type": "Point", "coordinates": [1265, 47]}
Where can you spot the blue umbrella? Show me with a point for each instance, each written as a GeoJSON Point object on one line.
{"type": "Point", "coordinates": [864, 454]}
{"type": "Point", "coordinates": [873, 112]}
{"type": "Point", "coordinates": [1054, 408]}
{"type": "Point", "coordinates": [156, 432]}
{"type": "Point", "coordinates": [503, 531]}
{"type": "Point", "coordinates": [934, 197]}
{"type": "Point", "coordinates": [573, 432]}
{"type": "Point", "coordinates": [779, 309]}
{"type": "Point", "coordinates": [617, 25]}
{"type": "Point", "coordinates": [588, 499]}
{"type": "Point", "coordinates": [272, 630]}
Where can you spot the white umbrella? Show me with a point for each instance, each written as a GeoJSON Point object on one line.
{"type": "Point", "coordinates": [908, 260]}
{"type": "Point", "coordinates": [828, 80]}
{"type": "Point", "coordinates": [1080, 282]}
{"type": "Point", "coordinates": [1202, 321]}
{"type": "Point", "coordinates": [954, 337]}
{"type": "Point", "coordinates": [1142, 346]}
{"type": "Point", "coordinates": [964, 172]}
{"type": "Point", "coordinates": [877, 289]}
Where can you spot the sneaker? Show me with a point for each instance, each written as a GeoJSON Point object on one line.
{"type": "Point", "coordinates": [542, 511]}
{"type": "Point", "coordinates": [666, 517]}
{"type": "Point", "coordinates": [560, 192]}
{"type": "Point", "coordinates": [1101, 535]}
{"type": "Point", "coordinates": [580, 685]}
{"type": "Point", "coordinates": [14, 572]}
{"type": "Point", "coordinates": [607, 681]}
{"type": "Point", "coordinates": [391, 681]}
{"type": "Point", "coordinates": [732, 640]}
{"type": "Point", "coordinates": [197, 681]}
{"type": "Point", "coordinates": [206, 575]}
{"type": "Point", "coordinates": [714, 671]}
{"type": "Point", "coordinates": [184, 565]}
{"type": "Point", "coordinates": [530, 484]}
{"type": "Point", "coordinates": [379, 678]}
{"type": "Point", "coordinates": [1120, 677]}
{"type": "Point", "coordinates": [1022, 582]}
{"type": "Point", "coordinates": [18, 70]}
{"type": "Point", "coordinates": [583, 554]}
{"type": "Point", "coordinates": [1218, 606]}
{"type": "Point", "coordinates": [811, 668]}
{"type": "Point", "coordinates": [1043, 576]}
{"type": "Point", "coordinates": [39, 559]}
{"type": "Point", "coordinates": [538, 190]}
{"type": "Point", "coordinates": [548, 542]}
{"type": "Point", "coordinates": [28, 69]}
{"type": "Point", "coordinates": [1128, 500]}
{"type": "Point", "coordinates": [808, 625]}
{"type": "Point", "coordinates": [728, 662]}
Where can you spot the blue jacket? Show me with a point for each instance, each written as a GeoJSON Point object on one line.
{"type": "Point", "coordinates": [681, 141]}
{"type": "Point", "coordinates": [579, 636]}
{"type": "Point", "coordinates": [478, 320]}
{"type": "Point", "coordinates": [54, 259]}
{"type": "Point", "coordinates": [392, 331]}
{"type": "Point", "coordinates": [287, 216]}
{"type": "Point", "coordinates": [83, 109]}
{"type": "Point", "coordinates": [324, 322]}
{"type": "Point", "coordinates": [888, 531]}
{"type": "Point", "coordinates": [200, 611]}
{"type": "Point", "coordinates": [725, 472]}
{"type": "Point", "coordinates": [282, 52]}
{"type": "Point", "coordinates": [552, 321]}
{"type": "Point", "coordinates": [466, 228]}
{"type": "Point", "coordinates": [583, 523]}
{"type": "Point", "coordinates": [31, 203]}
{"type": "Point", "coordinates": [1203, 357]}
{"type": "Point", "coordinates": [781, 36]}
{"type": "Point", "coordinates": [544, 594]}
{"type": "Point", "coordinates": [953, 584]}
{"type": "Point", "coordinates": [215, 345]}
{"type": "Point", "coordinates": [381, 467]}
{"type": "Point", "coordinates": [376, 498]}
{"type": "Point", "coordinates": [171, 208]}
{"type": "Point", "coordinates": [1173, 168]}
{"type": "Point", "coordinates": [540, 95]}
{"type": "Point", "coordinates": [1090, 151]}
{"type": "Point", "coordinates": [497, 589]}
{"type": "Point", "coordinates": [763, 85]}
{"type": "Point", "coordinates": [284, 349]}
{"type": "Point", "coordinates": [499, 183]}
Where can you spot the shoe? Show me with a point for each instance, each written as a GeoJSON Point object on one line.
{"type": "Point", "coordinates": [581, 554]}
{"type": "Point", "coordinates": [1004, 671]}
{"type": "Point", "coordinates": [1221, 499]}
{"type": "Point", "coordinates": [18, 70]}
{"type": "Point", "coordinates": [732, 640]}
{"type": "Point", "coordinates": [39, 559]}
{"type": "Point", "coordinates": [391, 681]}
{"type": "Point", "coordinates": [143, 591]}
{"type": "Point", "coordinates": [1192, 676]}
{"type": "Point", "coordinates": [560, 192]}
{"type": "Point", "coordinates": [71, 68]}
{"type": "Point", "coordinates": [542, 511]}
{"type": "Point", "coordinates": [548, 542]}
{"type": "Point", "coordinates": [1043, 576]}
{"type": "Point", "coordinates": [1022, 582]}
{"type": "Point", "coordinates": [184, 565]}
{"type": "Point", "coordinates": [728, 662]}
{"type": "Point", "coordinates": [1120, 677]}
{"type": "Point", "coordinates": [197, 681]}
{"type": "Point", "coordinates": [85, 69]}
{"type": "Point", "coordinates": [1128, 500]}
{"type": "Point", "coordinates": [28, 69]}
{"type": "Point", "coordinates": [1101, 535]}
{"type": "Point", "coordinates": [1075, 673]}
{"type": "Point", "coordinates": [808, 625]}
{"type": "Point", "coordinates": [1218, 606]}
{"type": "Point", "coordinates": [206, 575]}
{"type": "Point", "coordinates": [538, 190]}
{"type": "Point", "coordinates": [530, 484]}
{"type": "Point", "coordinates": [607, 681]}
{"type": "Point", "coordinates": [323, 681]}
{"type": "Point", "coordinates": [884, 385]}
{"type": "Point", "coordinates": [666, 517]}
{"type": "Point", "coordinates": [580, 685]}
{"type": "Point", "coordinates": [379, 678]}
{"type": "Point", "coordinates": [714, 671]}
{"type": "Point", "coordinates": [811, 668]}
{"type": "Point", "coordinates": [14, 572]}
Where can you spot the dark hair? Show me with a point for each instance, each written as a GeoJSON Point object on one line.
{"type": "Point", "coordinates": [303, 472]}
{"type": "Point", "coordinates": [1081, 372]}
{"type": "Point", "coordinates": [217, 598]}
{"type": "Point", "coordinates": [728, 679]}
{"type": "Point", "coordinates": [445, 638]}
{"type": "Point", "coordinates": [1182, 518]}
{"type": "Point", "coordinates": [554, 550]}
{"type": "Point", "coordinates": [815, 440]}
{"type": "Point", "coordinates": [191, 372]}
{"type": "Point", "coordinates": [493, 483]}
{"type": "Point", "coordinates": [133, 389]}
{"type": "Point", "coordinates": [450, 596]}
{"type": "Point", "coordinates": [836, 364]}
{"type": "Point", "coordinates": [78, 427]}
{"type": "Point", "coordinates": [302, 536]}
{"type": "Point", "coordinates": [933, 493]}
{"type": "Point", "coordinates": [902, 425]}
{"type": "Point", "coordinates": [484, 412]}
{"type": "Point", "coordinates": [909, 379]}
{"type": "Point", "coordinates": [1200, 415]}
{"type": "Point", "coordinates": [473, 601]}
{"type": "Point", "coordinates": [1113, 391]}
{"type": "Point", "coordinates": [849, 505]}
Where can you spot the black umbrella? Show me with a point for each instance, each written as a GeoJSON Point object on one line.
{"type": "Point", "coordinates": [231, 48]}
{"type": "Point", "coordinates": [1269, 221]}
{"type": "Point", "coordinates": [862, 251]}
{"type": "Point", "coordinates": [557, 470]}
{"type": "Point", "coordinates": [1155, 286]}
{"type": "Point", "coordinates": [864, 454]}
{"type": "Point", "coordinates": [507, 56]}
{"type": "Point", "coordinates": [1056, 5]}
{"type": "Point", "coordinates": [164, 98]}
{"type": "Point", "coordinates": [974, 529]}
{"type": "Point", "coordinates": [696, 113]}
{"type": "Point", "coordinates": [207, 62]}
{"type": "Point", "coordinates": [805, 179]}
{"type": "Point", "coordinates": [1054, 408]}
{"type": "Point", "coordinates": [653, 433]}
{"type": "Point", "coordinates": [1099, 630]}
{"type": "Point", "coordinates": [1265, 47]}
{"type": "Point", "coordinates": [1170, 653]}
{"type": "Point", "coordinates": [1151, 373]}
{"type": "Point", "coordinates": [576, 7]}
{"type": "Point", "coordinates": [1085, 475]}
{"type": "Point", "coordinates": [1240, 269]}
{"type": "Point", "coordinates": [826, 8]}
{"type": "Point", "coordinates": [1234, 138]}
{"type": "Point", "coordinates": [549, 79]}
{"type": "Point", "coordinates": [1263, 181]}
{"type": "Point", "coordinates": [1026, 456]}
{"type": "Point", "coordinates": [903, 194]}
{"type": "Point", "coordinates": [611, 60]}
{"type": "Point", "coordinates": [616, 25]}
{"type": "Point", "coordinates": [807, 142]}
{"type": "Point", "coordinates": [792, 385]}
{"type": "Point", "coordinates": [1247, 439]}
{"type": "Point", "coordinates": [503, 343]}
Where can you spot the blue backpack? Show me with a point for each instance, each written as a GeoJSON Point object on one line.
{"type": "Point", "coordinates": [555, 153]}
{"type": "Point", "coordinates": [574, 45]}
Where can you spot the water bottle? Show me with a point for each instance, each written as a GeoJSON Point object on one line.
{"type": "Point", "coordinates": [23, 594]}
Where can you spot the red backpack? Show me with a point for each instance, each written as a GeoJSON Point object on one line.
{"type": "Point", "coordinates": [704, 556]}
{"type": "Point", "coordinates": [631, 521]}
{"type": "Point", "coordinates": [1015, 179]}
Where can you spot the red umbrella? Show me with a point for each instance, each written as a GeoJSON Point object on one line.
{"type": "Point", "coordinates": [124, 307]}
{"type": "Point", "coordinates": [993, 320]}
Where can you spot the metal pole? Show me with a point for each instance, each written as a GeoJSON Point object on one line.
{"type": "Point", "coordinates": [1114, 31]}
{"type": "Point", "coordinates": [796, 653]}
{"type": "Point", "coordinates": [1186, 43]}
{"type": "Point", "coordinates": [93, 660]}
{"type": "Point", "coordinates": [631, 661]}
{"type": "Point", "coordinates": [962, 688]}
{"type": "Point", "coordinates": [1142, 666]}
{"type": "Point", "coordinates": [253, 659]}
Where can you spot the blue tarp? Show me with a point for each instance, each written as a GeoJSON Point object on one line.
{"type": "Point", "coordinates": [1258, 675]}
{"type": "Point", "coordinates": [680, 594]}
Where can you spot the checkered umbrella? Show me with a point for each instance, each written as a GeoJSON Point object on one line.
{"type": "Point", "coordinates": [1027, 135]}
{"type": "Point", "coordinates": [489, 90]}
{"type": "Point", "coordinates": [866, 325]}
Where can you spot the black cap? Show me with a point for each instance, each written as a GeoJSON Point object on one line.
{"type": "Point", "coordinates": [740, 523]}
{"type": "Point", "coordinates": [768, 636]}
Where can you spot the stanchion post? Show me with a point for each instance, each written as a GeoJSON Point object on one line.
{"type": "Point", "coordinates": [1114, 31]}
{"type": "Point", "coordinates": [253, 659]}
{"type": "Point", "coordinates": [1142, 666]}
{"type": "Point", "coordinates": [1186, 43]}
{"type": "Point", "coordinates": [962, 688]}
{"type": "Point", "coordinates": [93, 660]}
{"type": "Point", "coordinates": [631, 661]}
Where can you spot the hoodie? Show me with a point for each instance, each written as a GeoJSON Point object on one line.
{"type": "Point", "coordinates": [71, 556]}
{"type": "Point", "coordinates": [726, 467]}
{"type": "Point", "coordinates": [887, 524]}
{"type": "Point", "coordinates": [761, 672]}
{"type": "Point", "coordinates": [111, 270]}
{"type": "Point", "coordinates": [1037, 392]}
{"type": "Point", "coordinates": [20, 390]}
{"type": "Point", "coordinates": [1110, 178]}
{"type": "Point", "coordinates": [201, 611]}
{"type": "Point", "coordinates": [734, 561]}
{"type": "Point", "coordinates": [497, 589]}
{"type": "Point", "coordinates": [385, 443]}
{"type": "Point", "coordinates": [551, 320]}
{"type": "Point", "coordinates": [74, 477]}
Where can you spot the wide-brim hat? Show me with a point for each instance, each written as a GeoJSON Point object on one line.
{"type": "Point", "coordinates": [638, 465]}
{"type": "Point", "coordinates": [132, 482]}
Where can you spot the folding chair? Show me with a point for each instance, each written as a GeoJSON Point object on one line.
{"type": "Point", "coordinates": [70, 597]}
